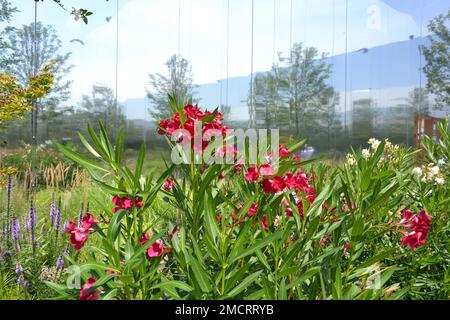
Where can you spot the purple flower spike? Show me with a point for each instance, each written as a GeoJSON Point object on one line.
{"type": "Point", "coordinates": [19, 269]}
{"type": "Point", "coordinates": [6, 255]}
{"type": "Point", "coordinates": [58, 220]}
{"type": "Point", "coordinates": [9, 188]}
{"type": "Point", "coordinates": [53, 210]}
{"type": "Point", "coordinates": [15, 229]}
{"type": "Point", "coordinates": [60, 262]}
{"type": "Point", "coordinates": [32, 222]}
{"type": "Point", "coordinates": [66, 224]}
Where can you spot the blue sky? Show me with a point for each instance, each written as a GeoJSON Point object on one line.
{"type": "Point", "coordinates": [149, 34]}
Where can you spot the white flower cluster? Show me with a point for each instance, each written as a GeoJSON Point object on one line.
{"type": "Point", "coordinates": [351, 159]}
{"type": "Point", "coordinates": [430, 173]}
{"type": "Point", "coordinates": [374, 143]}
{"type": "Point", "coordinates": [389, 154]}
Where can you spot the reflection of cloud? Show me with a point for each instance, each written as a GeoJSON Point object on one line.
{"type": "Point", "coordinates": [148, 35]}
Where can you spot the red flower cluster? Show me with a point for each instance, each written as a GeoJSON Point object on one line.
{"type": "Point", "coordinates": [264, 223]}
{"type": "Point", "coordinates": [298, 182]}
{"type": "Point", "coordinates": [250, 212]}
{"type": "Point", "coordinates": [193, 116]}
{"type": "Point", "coordinates": [86, 293]}
{"type": "Point", "coordinates": [238, 168]}
{"type": "Point", "coordinates": [252, 174]}
{"type": "Point", "coordinates": [168, 185]}
{"type": "Point", "coordinates": [156, 249]}
{"type": "Point", "coordinates": [418, 225]}
{"type": "Point", "coordinates": [283, 152]}
{"type": "Point", "coordinates": [125, 203]}
{"type": "Point", "coordinates": [79, 234]}
{"type": "Point", "coordinates": [345, 248]}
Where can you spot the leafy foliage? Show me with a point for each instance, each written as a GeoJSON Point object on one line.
{"type": "Point", "coordinates": [15, 100]}
{"type": "Point", "coordinates": [437, 57]}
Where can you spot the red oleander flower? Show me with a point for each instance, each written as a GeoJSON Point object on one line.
{"type": "Point", "coordinates": [345, 248]}
{"type": "Point", "coordinates": [264, 223]}
{"type": "Point", "coordinates": [418, 225]}
{"type": "Point", "coordinates": [310, 195]}
{"type": "Point", "coordinates": [346, 208]}
{"type": "Point", "coordinates": [237, 168]}
{"type": "Point", "coordinates": [266, 170]}
{"type": "Point", "coordinates": [138, 202]}
{"type": "Point", "coordinates": [88, 221]}
{"type": "Point", "coordinates": [323, 241]}
{"type": "Point", "coordinates": [289, 212]}
{"type": "Point", "coordinates": [193, 116]}
{"type": "Point", "coordinates": [221, 175]}
{"type": "Point", "coordinates": [300, 208]}
{"type": "Point", "coordinates": [252, 210]}
{"type": "Point", "coordinates": [274, 185]}
{"type": "Point", "coordinates": [168, 185]}
{"type": "Point", "coordinates": [283, 151]}
{"type": "Point", "coordinates": [123, 203]}
{"type": "Point", "coordinates": [110, 271]}
{"type": "Point", "coordinates": [296, 158]}
{"type": "Point", "coordinates": [144, 238]}
{"type": "Point", "coordinates": [156, 249]}
{"type": "Point", "coordinates": [252, 174]}
{"type": "Point", "coordinates": [162, 128]}
{"type": "Point", "coordinates": [126, 203]}
{"type": "Point", "coordinates": [79, 235]}
{"type": "Point", "coordinates": [193, 112]}
{"type": "Point", "coordinates": [86, 293]}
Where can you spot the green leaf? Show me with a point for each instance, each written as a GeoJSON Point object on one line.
{"type": "Point", "coordinates": [119, 146]}
{"type": "Point", "coordinates": [243, 285]}
{"type": "Point", "coordinates": [173, 284]}
{"type": "Point", "coordinates": [140, 162]}
{"type": "Point", "coordinates": [260, 244]}
{"type": "Point", "coordinates": [80, 159]}
{"type": "Point", "coordinates": [88, 146]}
{"type": "Point", "coordinates": [200, 275]}
{"type": "Point", "coordinates": [357, 229]}
{"type": "Point", "coordinates": [304, 276]}
{"type": "Point", "coordinates": [110, 295]}
{"type": "Point", "coordinates": [296, 146]}
{"type": "Point", "coordinates": [57, 287]}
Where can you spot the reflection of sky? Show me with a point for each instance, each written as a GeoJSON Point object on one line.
{"type": "Point", "coordinates": [419, 10]}
{"type": "Point", "coordinates": [148, 34]}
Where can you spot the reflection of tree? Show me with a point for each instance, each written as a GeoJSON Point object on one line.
{"type": "Point", "coordinates": [418, 101]}
{"type": "Point", "coordinates": [177, 82]}
{"type": "Point", "coordinates": [266, 99]}
{"type": "Point", "coordinates": [333, 125]}
{"type": "Point", "coordinates": [19, 60]}
{"type": "Point", "coordinates": [295, 94]}
{"type": "Point", "coordinates": [437, 68]}
{"type": "Point", "coordinates": [6, 10]}
{"type": "Point", "coordinates": [309, 92]}
{"type": "Point", "coordinates": [226, 112]}
{"type": "Point", "coordinates": [362, 120]}
{"type": "Point", "coordinates": [101, 105]}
